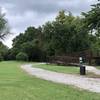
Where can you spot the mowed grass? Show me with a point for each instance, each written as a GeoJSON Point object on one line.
{"type": "Point", "coordinates": [15, 84]}
{"type": "Point", "coordinates": [65, 69]}
{"type": "Point", "coordinates": [98, 67]}
{"type": "Point", "coordinates": [56, 68]}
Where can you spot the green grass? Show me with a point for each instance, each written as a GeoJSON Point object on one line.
{"type": "Point", "coordinates": [65, 69]}
{"type": "Point", "coordinates": [61, 69]}
{"type": "Point", "coordinates": [98, 67]}
{"type": "Point", "coordinates": [15, 84]}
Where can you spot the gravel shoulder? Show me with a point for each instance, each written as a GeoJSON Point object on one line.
{"type": "Point", "coordinates": [90, 84]}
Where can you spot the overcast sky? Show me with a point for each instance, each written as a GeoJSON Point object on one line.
{"type": "Point", "coordinates": [23, 13]}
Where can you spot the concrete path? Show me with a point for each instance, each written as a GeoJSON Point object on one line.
{"type": "Point", "coordinates": [88, 68]}
{"type": "Point", "coordinates": [91, 84]}
{"type": "Point", "coordinates": [93, 69]}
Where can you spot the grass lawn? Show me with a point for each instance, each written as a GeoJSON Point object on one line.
{"type": "Point", "coordinates": [61, 69]}
{"type": "Point", "coordinates": [15, 84]}
{"type": "Point", "coordinates": [98, 67]}
{"type": "Point", "coordinates": [65, 69]}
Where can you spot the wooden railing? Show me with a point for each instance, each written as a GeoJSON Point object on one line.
{"type": "Point", "coordinates": [66, 59]}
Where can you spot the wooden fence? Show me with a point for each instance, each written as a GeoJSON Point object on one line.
{"type": "Point", "coordinates": [88, 57]}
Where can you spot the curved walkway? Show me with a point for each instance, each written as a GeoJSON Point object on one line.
{"type": "Point", "coordinates": [91, 84]}
{"type": "Point", "coordinates": [93, 69]}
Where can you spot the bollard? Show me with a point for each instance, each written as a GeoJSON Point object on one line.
{"type": "Point", "coordinates": [82, 70]}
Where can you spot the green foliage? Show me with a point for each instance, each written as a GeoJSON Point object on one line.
{"type": "Point", "coordinates": [65, 35]}
{"type": "Point", "coordinates": [97, 61]}
{"type": "Point", "coordinates": [92, 18]}
{"type": "Point", "coordinates": [30, 43]}
{"type": "Point", "coordinates": [32, 50]}
{"type": "Point", "coordinates": [22, 56]}
{"type": "Point", "coordinates": [11, 54]}
{"type": "Point", "coordinates": [92, 21]}
{"type": "Point", "coordinates": [1, 58]}
{"type": "Point", "coordinates": [3, 51]}
{"type": "Point", "coordinates": [4, 29]}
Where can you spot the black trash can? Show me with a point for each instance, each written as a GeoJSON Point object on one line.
{"type": "Point", "coordinates": [82, 70]}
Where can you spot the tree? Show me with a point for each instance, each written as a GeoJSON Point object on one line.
{"type": "Point", "coordinates": [4, 29]}
{"type": "Point", "coordinates": [92, 18]}
{"type": "Point", "coordinates": [66, 34]}
{"type": "Point", "coordinates": [3, 51]}
{"type": "Point", "coordinates": [29, 42]}
{"type": "Point", "coordinates": [22, 56]}
{"type": "Point", "coordinates": [92, 21]}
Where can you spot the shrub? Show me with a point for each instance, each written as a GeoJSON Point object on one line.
{"type": "Point", "coordinates": [22, 56]}
{"type": "Point", "coordinates": [97, 61]}
{"type": "Point", "coordinates": [1, 58]}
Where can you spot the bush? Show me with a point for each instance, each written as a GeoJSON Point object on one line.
{"type": "Point", "coordinates": [97, 61]}
{"type": "Point", "coordinates": [22, 56]}
{"type": "Point", "coordinates": [1, 58]}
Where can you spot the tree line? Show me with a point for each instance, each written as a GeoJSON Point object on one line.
{"type": "Point", "coordinates": [65, 34]}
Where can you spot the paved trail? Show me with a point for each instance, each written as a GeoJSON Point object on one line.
{"type": "Point", "coordinates": [93, 69]}
{"type": "Point", "coordinates": [91, 84]}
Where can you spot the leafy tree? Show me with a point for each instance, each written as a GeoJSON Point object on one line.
{"type": "Point", "coordinates": [92, 21]}
{"type": "Point", "coordinates": [4, 29]}
{"type": "Point", "coordinates": [92, 18]}
{"type": "Point", "coordinates": [22, 56]}
{"type": "Point", "coordinates": [1, 58]}
{"type": "Point", "coordinates": [30, 43]}
{"type": "Point", "coordinates": [65, 35]}
{"type": "Point", "coordinates": [3, 50]}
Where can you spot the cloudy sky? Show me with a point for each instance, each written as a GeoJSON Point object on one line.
{"type": "Point", "coordinates": [23, 13]}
